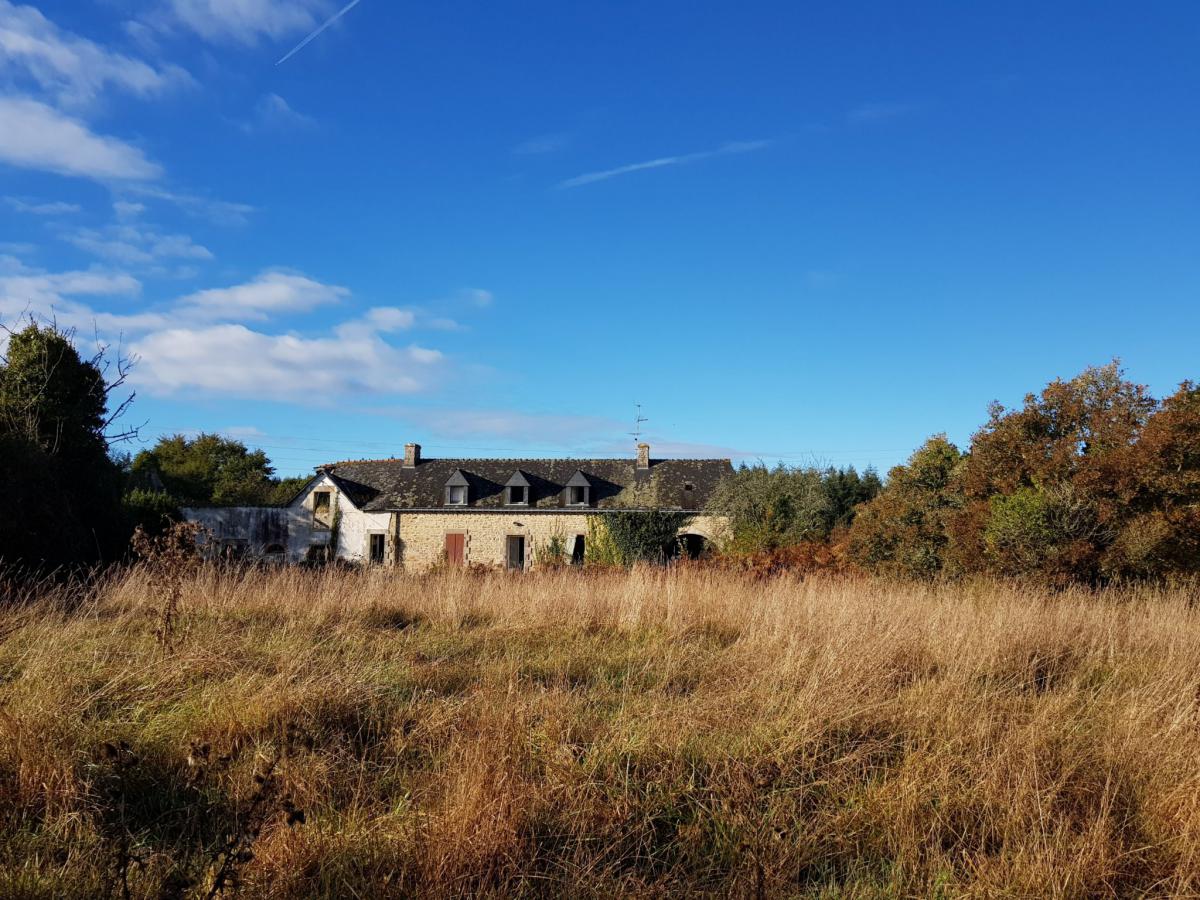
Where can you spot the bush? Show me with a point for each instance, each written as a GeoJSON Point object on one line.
{"type": "Point", "coordinates": [645, 535]}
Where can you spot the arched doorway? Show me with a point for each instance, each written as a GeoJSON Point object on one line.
{"type": "Point", "coordinates": [692, 546]}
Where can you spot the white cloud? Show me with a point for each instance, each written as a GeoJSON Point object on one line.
{"type": "Point", "coordinates": [71, 68]}
{"type": "Point", "coordinates": [136, 244]}
{"type": "Point", "coordinates": [197, 344]}
{"type": "Point", "coordinates": [52, 296]}
{"type": "Point", "coordinates": [733, 147]}
{"type": "Point", "coordinates": [50, 208]}
{"type": "Point", "coordinates": [233, 359]}
{"type": "Point", "coordinates": [271, 292]}
{"type": "Point", "coordinates": [35, 136]}
{"type": "Point", "coordinates": [272, 113]}
{"type": "Point", "coordinates": [391, 318]}
{"type": "Point", "coordinates": [220, 212]}
{"type": "Point", "coordinates": [246, 21]}
{"type": "Point", "coordinates": [124, 209]}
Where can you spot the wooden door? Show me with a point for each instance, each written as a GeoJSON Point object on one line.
{"type": "Point", "coordinates": [455, 548]}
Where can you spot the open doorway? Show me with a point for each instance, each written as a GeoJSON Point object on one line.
{"type": "Point", "coordinates": [515, 552]}
{"type": "Point", "coordinates": [692, 546]}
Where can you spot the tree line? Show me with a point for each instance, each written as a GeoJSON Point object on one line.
{"type": "Point", "coordinates": [1090, 480]}
{"type": "Point", "coordinates": [74, 495]}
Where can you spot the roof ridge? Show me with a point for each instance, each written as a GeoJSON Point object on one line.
{"type": "Point", "coordinates": [521, 459]}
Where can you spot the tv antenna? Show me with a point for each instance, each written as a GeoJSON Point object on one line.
{"type": "Point", "coordinates": [637, 425]}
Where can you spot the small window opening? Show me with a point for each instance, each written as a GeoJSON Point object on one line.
{"type": "Point", "coordinates": [376, 548]}
{"type": "Point", "coordinates": [577, 495]}
{"type": "Point", "coordinates": [456, 495]}
{"type": "Point", "coordinates": [322, 503]}
{"type": "Point", "coordinates": [577, 552]}
{"type": "Point", "coordinates": [687, 486]}
{"type": "Point", "coordinates": [518, 495]}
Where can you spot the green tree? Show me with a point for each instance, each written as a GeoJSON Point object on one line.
{"type": "Point", "coordinates": [846, 490]}
{"type": "Point", "coordinates": [768, 508]}
{"type": "Point", "coordinates": [1046, 533]}
{"type": "Point", "coordinates": [207, 470]}
{"type": "Point", "coordinates": [904, 529]}
{"type": "Point", "coordinates": [55, 433]}
{"type": "Point", "coordinates": [284, 490]}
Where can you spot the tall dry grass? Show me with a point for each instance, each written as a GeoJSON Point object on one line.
{"type": "Point", "coordinates": [651, 733]}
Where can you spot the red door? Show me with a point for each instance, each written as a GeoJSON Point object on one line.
{"type": "Point", "coordinates": [455, 544]}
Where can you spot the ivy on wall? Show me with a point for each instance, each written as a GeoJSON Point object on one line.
{"type": "Point", "coordinates": [625, 537]}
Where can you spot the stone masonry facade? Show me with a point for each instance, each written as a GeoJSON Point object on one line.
{"type": "Point", "coordinates": [400, 511]}
{"type": "Point", "coordinates": [422, 535]}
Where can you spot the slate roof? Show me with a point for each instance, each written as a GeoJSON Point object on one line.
{"type": "Point", "coordinates": [385, 484]}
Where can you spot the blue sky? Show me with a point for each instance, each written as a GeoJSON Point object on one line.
{"type": "Point", "coordinates": [790, 231]}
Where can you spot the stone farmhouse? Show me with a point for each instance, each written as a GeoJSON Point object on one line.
{"type": "Point", "coordinates": [415, 512]}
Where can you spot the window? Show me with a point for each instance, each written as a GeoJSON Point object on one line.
{"type": "Point", "coordinates": [376, 548]}
{"type": "Point", "coordinates": [515, 546]}
{"type": "Point", "coordinates": [577, 552]}
{"type": "Point", "coordinates": [456, 549]}
{"type": "Point", "coordinates": [457, 488]}
{"type": "Point", "coordinates": [579, 490]}
{"type": "Point", "coordinates": [516, 490]}
{"type": "Point", "coordinates": [688, 486]}
{"type": "Point", "coordinates": [322, 504]}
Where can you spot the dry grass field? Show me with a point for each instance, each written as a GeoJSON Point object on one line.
{"type": "Point", "coordinates": [653, 733]}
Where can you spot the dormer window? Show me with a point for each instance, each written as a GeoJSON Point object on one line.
{"type": "Point", "coordinates": [579, 490]}
{"type": "Point", "coordinates": [516, 490]}
{"type": "Point", "coordinates": [457, 489]}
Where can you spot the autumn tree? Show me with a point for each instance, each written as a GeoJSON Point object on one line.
{"type": "Point", "coordinates": [903, 530]}
{"type": "Point", "coordinates": [1160, 484]}
{"type": "Point", "coordinates": [1045, 490]}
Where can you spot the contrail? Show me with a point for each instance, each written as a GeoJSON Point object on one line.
{"type": "Point", "coordinates": [304, 43]}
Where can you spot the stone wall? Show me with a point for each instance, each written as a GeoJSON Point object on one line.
{"type": "Point", "coordinates": [414, 540]}
{"type": "Point", "coordinates": [422, 535]}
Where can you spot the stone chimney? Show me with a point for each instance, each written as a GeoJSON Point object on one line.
{"type": "Point", "coordinates": [643, 462]}
{"type": "Point", "coordinates": [412, 455]}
